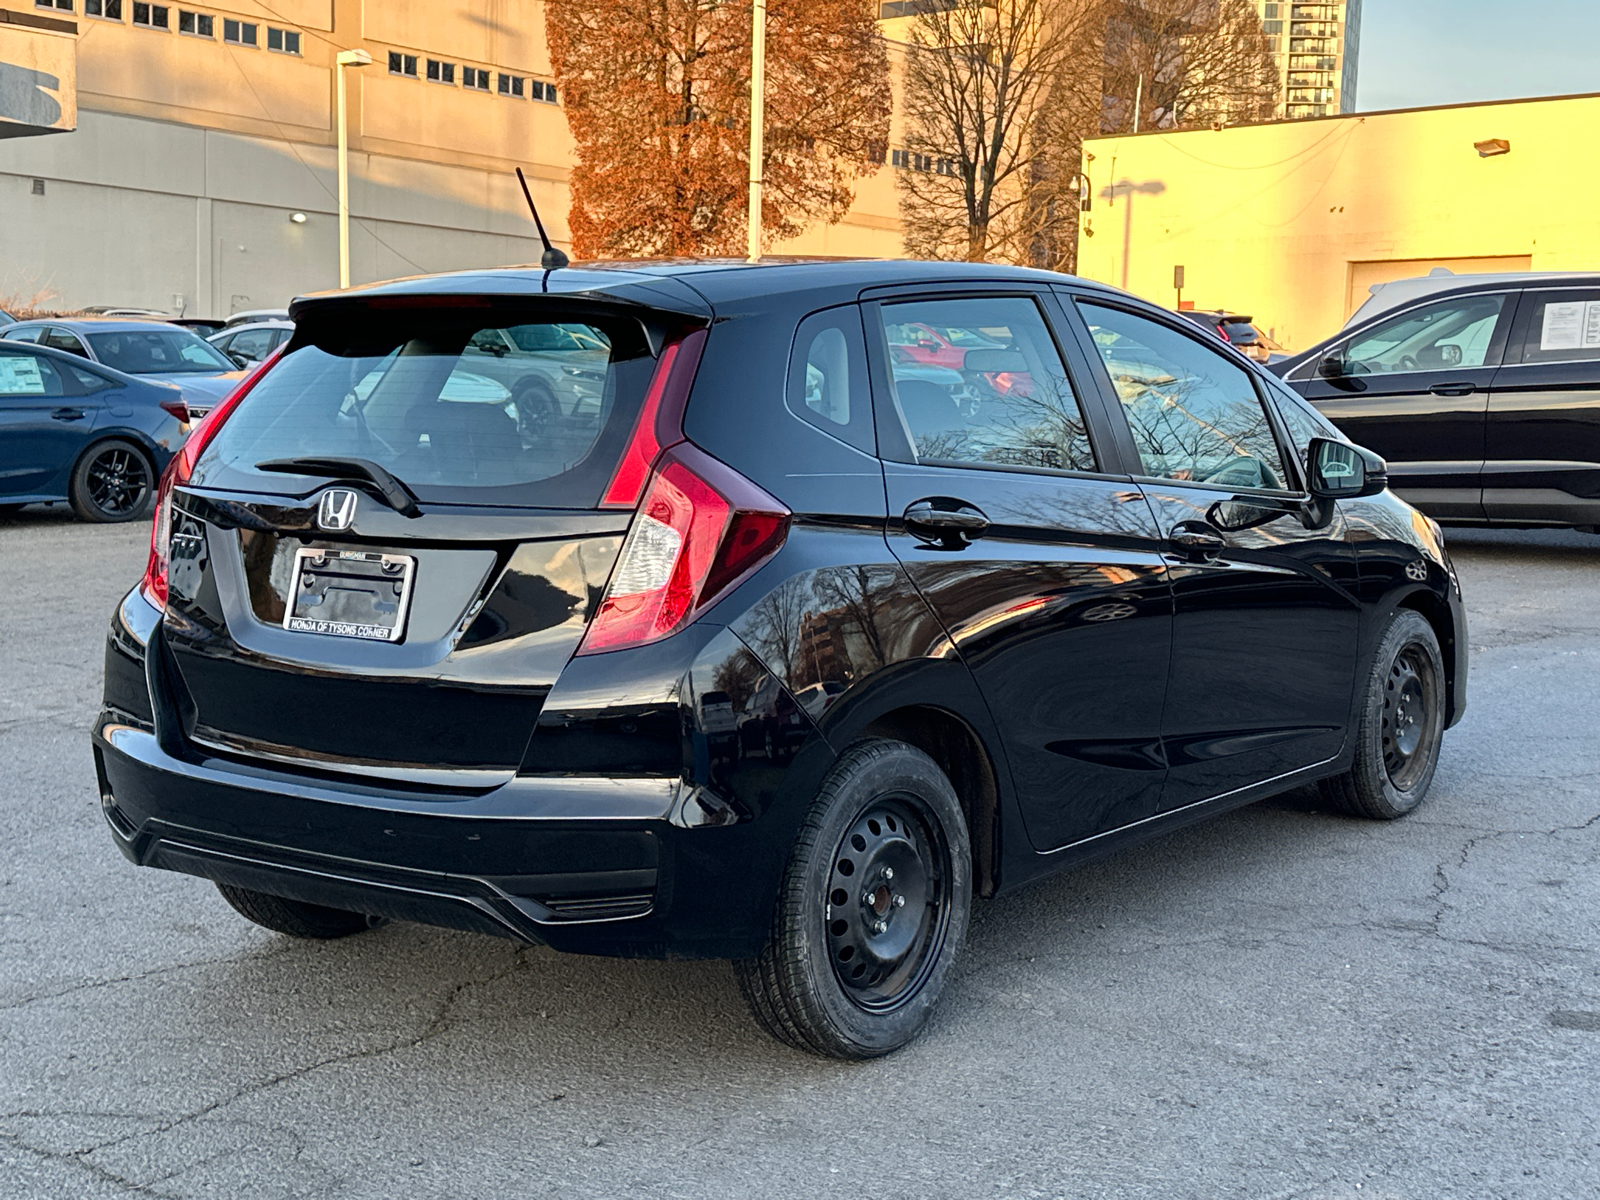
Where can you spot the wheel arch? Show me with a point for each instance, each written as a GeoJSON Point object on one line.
{"type": "Point", "coordinates": [960, 753]}
{"type": "Point", "coordinates": [1438, 615]}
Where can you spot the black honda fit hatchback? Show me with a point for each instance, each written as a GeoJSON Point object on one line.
{"type": "Point", "coordinates": [763, 612]}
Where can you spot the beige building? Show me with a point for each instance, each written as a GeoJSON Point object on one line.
{"type": "Point", "coordinates": [1292, 222]}
{"type": "Point", "coordinates": [190, 158]}
{"type": "Point", "coordinates": [1316, 44]}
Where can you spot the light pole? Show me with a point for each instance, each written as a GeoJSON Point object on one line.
{"type": "Point", "coordinates": [346, 58]}
{"type": "Point", "coordinates": [758, 118]}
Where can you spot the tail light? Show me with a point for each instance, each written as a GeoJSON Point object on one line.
{"type": "Point", "coordinates": [699, 528]}
{"type": "Point", "coordinates": [178, 408]}
{"type": "Point", "coordinates": [179, 468]}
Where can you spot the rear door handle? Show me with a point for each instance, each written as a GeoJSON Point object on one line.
{"type": "Point", "coordinates": [1453, 389]}
{"type": "Point", "coordinates": [1197, 540]}
{"type": "Point", "coordinates": [68, 414]}
{"type": "Point", "coordinates": [952, 523]}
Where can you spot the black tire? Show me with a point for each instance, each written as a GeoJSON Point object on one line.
{"type": "Point", "coordinates": [294, 917]}
{"type": "Point", "coordinates": [113, 481]}
{"type": "Point", "coordinates": [1401, 726]}
{"type": "Point", "coordinates": [853, 973]}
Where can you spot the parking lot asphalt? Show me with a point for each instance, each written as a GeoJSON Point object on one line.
{"type": "Point", "coordinates": [1279, 1003]}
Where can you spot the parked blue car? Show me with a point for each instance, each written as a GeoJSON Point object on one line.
{"type": "Point", "coordinates": [146, 348]}
{"type": "Point", "coordinates": [82, 432]}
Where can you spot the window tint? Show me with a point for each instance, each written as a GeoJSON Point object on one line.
{"type": "Point", "coordinates": [1560, 327]}
{"type": "Point", "coordinates": [1194, 414]}
{"type": "Point", "coordinates": [25, 375]}
{"type": "Point", "coordinates": [1452, 333]}
{"type": "Point", "coordinates": [60, 339]}
{"type": "Point", "coordinates": [828, 376]}
{"type": "Point", "coordinates": [979, 381]}
{"type": "Point", "coordinates": [254, 344]}
{"type": "Point", "coordinates": [451, 408]}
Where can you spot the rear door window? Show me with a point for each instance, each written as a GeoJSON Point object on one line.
{"type": "Point", "coordinates": [523, 412]}
{"type": "Point", "coordinates": [24, 376]}
{"type": "Point", "coordinates": [978, 381]}
{"type": "Point", "coordinates": [63, 339]}
{"type": "Point", "coordinates": [1560, 327]}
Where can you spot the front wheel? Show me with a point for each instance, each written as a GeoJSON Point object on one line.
{"type": "Point", "coordinates": [1401, 726]}
{"type": "Point", "coordinates": [872, 908]}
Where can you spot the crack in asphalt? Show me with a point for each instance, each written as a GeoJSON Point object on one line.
{"type": "Point", "coordinates": [75, 1158]}
{"type": "Point", "coordinates": [438, 1024]}
{"type": "Point", "coordinates": [154, 972]}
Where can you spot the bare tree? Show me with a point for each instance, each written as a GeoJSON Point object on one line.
{"type": "Point", "coordinates": [999, 95]}
{"type": "Point", "coordinates": [980, 76]}
{"type": "Point", "coordinates": [1186, 64]}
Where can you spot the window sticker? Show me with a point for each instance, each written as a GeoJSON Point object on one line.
{"type": "Point", "coordinates": [1572, 325]}
{"type": "Point", "coordinates": [19, 376]}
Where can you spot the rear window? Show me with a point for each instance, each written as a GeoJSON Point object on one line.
{"type": "Point", "coordinates": [494, 410]}
{"type": "Point", "coordinates": [1239, 331]}
{"type": "Point", "coordinates": [158, 352]}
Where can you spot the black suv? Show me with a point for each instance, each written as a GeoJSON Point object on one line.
{"type": "Point", "coordinates": [1483, 394]}
{"type": "Point", "coordinates": [754, 640]}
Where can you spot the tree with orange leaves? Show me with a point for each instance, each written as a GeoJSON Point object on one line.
{"type": "Point", "coordinates": [657, 94]}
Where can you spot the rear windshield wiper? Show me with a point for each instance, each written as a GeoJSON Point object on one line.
{"type": "Point", "coordinates": [390, 490]}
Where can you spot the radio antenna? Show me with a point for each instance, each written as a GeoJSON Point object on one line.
{"type": "Point", "coordinates": [552, 258]}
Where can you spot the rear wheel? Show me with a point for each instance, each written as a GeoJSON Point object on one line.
{"type": "Point", "coordinates": [1401, 727]}
{"type": "Point", "coordinates": [294, 917]}
{"type": "Point", "coordinates": [872, 908]}
{"type": "Point", "coordinates": [112, 482]}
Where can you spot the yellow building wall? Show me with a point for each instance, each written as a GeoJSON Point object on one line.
{"type": "Point", "coordinates": [1290, 222]}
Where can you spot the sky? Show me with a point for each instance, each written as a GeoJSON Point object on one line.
{"type": "Point", "coordinates": [1422, 52]}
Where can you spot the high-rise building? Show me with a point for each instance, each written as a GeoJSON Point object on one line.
{"type": "Point", "coordinates": [1316, 45]}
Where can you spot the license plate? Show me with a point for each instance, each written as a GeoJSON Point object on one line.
{"type": "Point", "coordinates": [350, 593]}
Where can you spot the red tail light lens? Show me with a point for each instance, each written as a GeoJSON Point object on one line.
{"type": "Point", "coordinates": [179, 468]}
{"type": "Point", "coordinates": [177, 408]}
{"type": "Point", "coordinates": [660, 421]}
{"type": "Point", "coordinates": [701, 528]}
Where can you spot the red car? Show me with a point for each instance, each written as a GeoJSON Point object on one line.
{"type": "Point", "coordinates": [947, 346]}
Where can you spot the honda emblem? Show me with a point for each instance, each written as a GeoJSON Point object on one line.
{"type": "Point", "coordinates": [336, 511]}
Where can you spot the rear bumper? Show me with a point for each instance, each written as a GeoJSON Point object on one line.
{"type": "Point", "coordinates": [588, 865]}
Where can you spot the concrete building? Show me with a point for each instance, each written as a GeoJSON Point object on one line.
{"type": "Point", "coordinates": [190, 158]}
{"type": "Point", "coordinates": [1292, 222]}
{"type": "Point", "coordinates": [1316, 44]}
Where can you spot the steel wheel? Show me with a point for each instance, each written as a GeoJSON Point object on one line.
{"type": "Point", "coordinates": [1412, 717]}
{"type": "Point", "coordinates": [888, 904]}
{"type": "Point", "coordinates": [117, 482]}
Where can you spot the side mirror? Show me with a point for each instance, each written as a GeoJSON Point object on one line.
{"type": "Point", "coordinates": [239, 360]}
{"type": "Point", "coordinates": [1332, 365]}
{"type": "Point", "coordinates": [1340, 471]}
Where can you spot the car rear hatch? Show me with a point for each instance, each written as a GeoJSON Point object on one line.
{"type": "Point", "coordinates": [386, 553]}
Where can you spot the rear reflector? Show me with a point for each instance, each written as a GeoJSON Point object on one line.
{"type": "Point", "coordinates": [701, 528]}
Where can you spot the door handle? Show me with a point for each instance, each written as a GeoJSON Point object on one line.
{"type": "Point", "coordinates": [1197, 540]}
{"type": "Point", "coordinates": [68, 414]}
{"type": "Point", "coordinates": [951, 523]}
{"type": "Point", "coordinates": [1453, 389]}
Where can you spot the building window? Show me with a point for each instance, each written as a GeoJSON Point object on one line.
{"type": "Point", "coordinates": [402, 64]}
{"type": "Point", "coordinates": [239, 33]}
{"type": "Point", "coordinates": [110, 10]}
{"type": "Point", "coordinates": [476, 78]}
{"type": "Point", "coordinates": [151, 16]}
{"type": "Point", "coordinates": [512, 85]}
{"type": "Point", "coordinates": [441, 72]}
{"type": "Point", "coordinates": [199, 24]}
{"type": "Point", "coordinates": [285, 41]}
{"type": "Point", "coordinates": [63, 5]}
{"type": "Point", "coordinates": [543, 91]}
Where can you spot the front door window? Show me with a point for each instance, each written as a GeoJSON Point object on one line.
{"type": "Point", "coordinates": [1453, 333]}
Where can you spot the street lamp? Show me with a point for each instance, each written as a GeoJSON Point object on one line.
{"type": "Point", "coordinates": [758, 118]}
{"type": "Point", "coordinates": [346, 58]}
